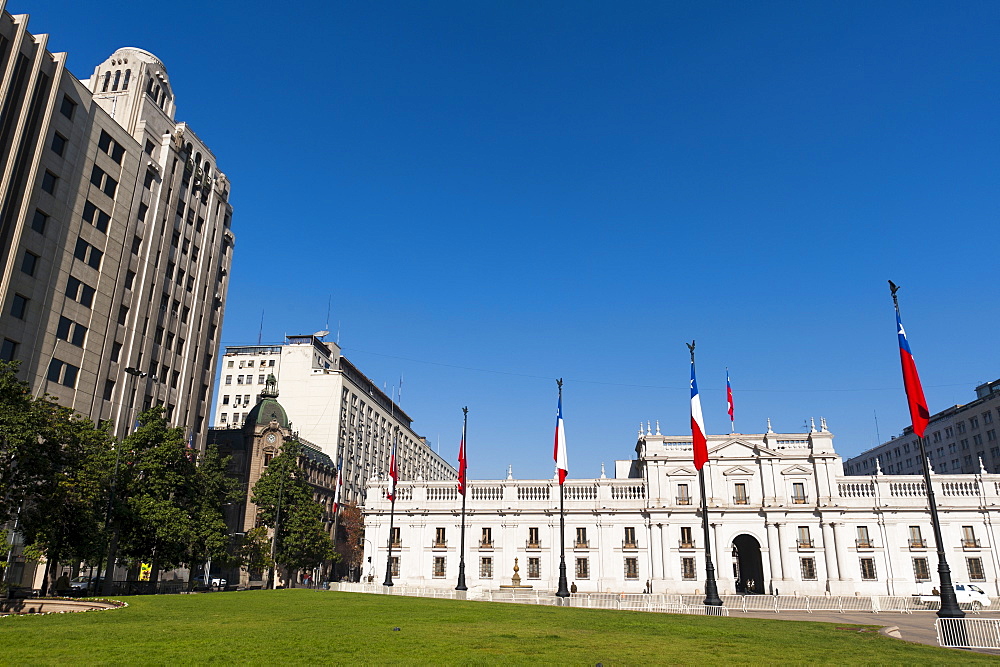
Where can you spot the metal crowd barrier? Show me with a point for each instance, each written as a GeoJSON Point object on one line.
{"type": "Point", "coordinates": [968, 632]}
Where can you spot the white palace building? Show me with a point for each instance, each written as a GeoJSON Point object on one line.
{"type": "Point", "coordinates": [784, 519]}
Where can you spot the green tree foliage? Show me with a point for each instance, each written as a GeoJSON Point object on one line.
{"type": "Point", "coordinates": [352, 526]}
{"type": "Point", "coordinates": [283, 496]}
{"type": "Point", "coordinates": [212, 491]}
{"type": "Point", "coordinates": [26, 457]}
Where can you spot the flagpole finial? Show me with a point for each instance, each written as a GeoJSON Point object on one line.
{"type": "Point", "coordinates": [559, 384]}
{"type": "Point", "coordinates": [893, 288]}
{"type": "Point", "coordinates": [465, 411]}
{"type": "Point", "coordinates": [690, 347]}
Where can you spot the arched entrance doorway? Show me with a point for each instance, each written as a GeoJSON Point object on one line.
{"type": "Point", "coordinates": [748, 568]}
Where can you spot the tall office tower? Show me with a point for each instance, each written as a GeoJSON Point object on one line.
{"type": "Point", "coordinates": [330, 403]}
{"type": "Point", "coordinates": [115, 240]}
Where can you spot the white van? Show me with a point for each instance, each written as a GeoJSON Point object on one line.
{"type": "Point", "coordinates": [966, 593]}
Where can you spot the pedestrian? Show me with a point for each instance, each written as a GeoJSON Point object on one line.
{"type": "Point", "coordinates": [572, 588]}
{"type": "Point", "coordinates": [62, 585]}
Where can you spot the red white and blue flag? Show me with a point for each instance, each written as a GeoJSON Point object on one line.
{"type": "Point", "coordinates": [729, 403]}
{"type": "Point", "coordinates": [919, 414]}
{"type": "Point", "coordinates": [340, 487]}
{"type": "Point", "coordinates": [461, 464]}
{"type": "Point", "coordinates": [697, 425]}
{"type": "Point", "coordinates": [393, 474]}
{"type": "Point", "coordinates": [559, 451]}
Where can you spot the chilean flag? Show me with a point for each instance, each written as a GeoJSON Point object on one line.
{"type": "Point", "coordinates": [393, 474]}
{"type": "Point", "coordinates": [697, 425]}
{"type": "Point", "coordinates": [340, 486]}
{"type": "Point", "coordinates": [729, 397]}
{"type": "Point", "coordinates": [462, 463]}
{"type": "Point", "coordinates": [919, 414]}
{"type": "Point", "coordinates": [559, 452]}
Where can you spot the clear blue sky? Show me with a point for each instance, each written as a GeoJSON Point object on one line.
{"type": "Point", "coordinates": [495, 194]}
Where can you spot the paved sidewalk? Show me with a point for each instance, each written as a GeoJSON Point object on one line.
{"type": "Point", "coordinates": [917, 627]}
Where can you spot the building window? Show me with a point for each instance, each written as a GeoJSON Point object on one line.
{"type": "Point", "coordinates": [973, 422]}
{"type": "Point", "coordinates": [63, 373]}
{"type": "Point", "coordinates": [486, 541]}
{"type": "Point", "coordinates": [583, 568]}
{"type": "Point", "coordinates": [799, 493]}
{"type": "Point", "coordinates": [439, 537]}
{"type": "Point", "coordinates": [988, 417]}
{"type": "Point", "coordinates": [8, 349]}
{"type": "Point", "coordinates": [960, 427]}
{"type": "Point", "coordinates": [804, 540]}
{"type": "Point", "coordinates": [863, 541]}
{"type": "Point", "coordinates": [534, 568]}
{"type": "Point", "coordinates": [689, 570]}
{"type": "Point", "coordinates": [67, 107]}
{"type": "Point", "coordinates": [225, 399]}
{"type": "Point", "coordinates": [868, 569]}
{"type": "Point", "coordinates": [80, 292]}
{"type": "Point", "coordinates": [485, 567]}
{"type": "Point", "coordinates": [111, 147]}
{"type": "Point", "coordinates": [921, 571]}
{"type": "Point", "coordinates": [29, 263]}
{"type": "Point", "coordinates": [96, 217]}
{"type": "Point", "coordinates": [58, 144]}
{"type": "Point", "coordinates": [71, 332]}
{"type": "Point", "coordinates": [224, 417]}
{"type": "Point", "coordinates": [581, 539]}
{"type": "Point", "coordinates": [109, 389]}
{"type": "Point", "coordinates": [116, 351]}
{"type": "Point", "coordinates": [976, 572]}
{"type": "Point", "coordinates": [629, 541]}
{"type": "Point", "coordinates": [438, 567]}
{"type": "Point", "coordinates": [969, 540]}
{"type": "Point", "coordinates": [229, 379]}
{"type": "Point", "coordinates": [631, 568]}
{"type": "Point", "coordinates": [49, 181]}
{"type": "Point", "coordinates": [741, 494]}
{"type": "Point", "coordinates": [683, 495]}
{"type": "Point", "coordinates": [260, 379]}
{"type": "Point", "coordinates": [103, 181]}
{"type": "Point", "coordinates": [38, 221]}
{"type": "Point", "coordinates": [533, 541]}
{"type": "Point", "coordinates": [88, 254]}
{"type": "Point", "coordinates": [19, 306]}
{"type": "Point", "coordinates": [808, 568]}
{"type": "Point", "coordinates": [396, 542]}
{"type": "Point", "coordinates": [687, 538]}
{"type": "Point", "coordinates": [977, 439]}
{"type": "Point", "coordinates": [394, 566]}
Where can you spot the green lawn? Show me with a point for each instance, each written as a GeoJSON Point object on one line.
{"type": "Point", "coordinates": [303, 626]}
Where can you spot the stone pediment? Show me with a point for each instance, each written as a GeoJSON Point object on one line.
{"type": "Point", "coordinates": [797, 470]}
{"type": "Point", "coordinates": [682, 471]}
{"type": "Point", "coordinates": [738, 470]}
{"type": "Point", "coordinates": [737, 449]}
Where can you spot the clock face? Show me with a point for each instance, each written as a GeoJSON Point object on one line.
{"type": "Point", "coordinates": [271, 438]}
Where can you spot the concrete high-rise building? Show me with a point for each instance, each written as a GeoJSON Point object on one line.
{"type": "Point", "coordinates": [115, 240]}
{"type": "Point", "coordinates": [330, 403]}
{"type": "Point", "coordinates": [959, 439]}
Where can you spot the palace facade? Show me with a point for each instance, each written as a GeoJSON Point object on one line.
{"type": "Point", "coordinates": [784, 518]}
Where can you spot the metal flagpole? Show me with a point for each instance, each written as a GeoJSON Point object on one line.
{"type": "Point", "coordinates": [461, 483]}
{"type": "Point", "coordinates": [712, 598]}
{"type": "Point", "coordinates": [949, 601]}
{"type": "Point", "coordinates": [563, 591]}
{"type": "Point", "coordinates": [392, 509]}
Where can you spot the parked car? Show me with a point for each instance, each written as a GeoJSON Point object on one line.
{"type": "Point", "coordinates": [80, 584]}
{"type": "Point", "coordinates": [965, 593]}
{"type": "Point", "coordinates": [216, 582]}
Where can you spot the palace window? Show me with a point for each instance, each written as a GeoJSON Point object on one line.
{"type": "Point", "coordinates": [804, 540]}
{"type": "Point", "coordinates": [868, 569]}
{"type": "Point", "coordinates": [438, 567]}
{"type": "Point", "coordinates": [808, 568]}
{"type": "Point", "coordinates": [583, 568]}
{"type": "Point", "coordinates": [394, 566]}
{"type": "Point", "coordinates": [976, 572]}
{"type": "Point", "coordinates": [687, 538]}
{"type": "Point", "coordinates": [799, 493]}
{"type": "Point", "coordinates": [916, 539]}
{"type": "Point", "coordinates": [921, 570]}
{"type": "Point", "coordinates": [863, 541]}
{"type": "Point", "coordinates": [683, 495]}
{"type": "Point", "coordinates": [533, 541]}
{"type": "Point", "coordinates": [629, 541]}
{"type": "Point", "coordinates": [689, 570]}
{"type": "Point", "coordinates": [581, 539]}
{"type": "Point", "coordinates": [631, 568]}
{"type": "Point", "coordinates": [440, 538]}
{"type": "Point", "coordinates": [741, 494]}
{"type": "Point", "coordinates": [486, 541]}
{"type": "Point", "coordinates": [534, 568]}
{"type": "Point", "coordinates": [969, 540]}
{"type": "Point", "coordinates": [485, 567]}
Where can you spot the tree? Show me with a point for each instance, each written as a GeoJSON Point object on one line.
{"type": "Point", "coordinates": [285, 504]}
{"type": "Point", "coordinates": [212, 489]}
{"type": "Point", "coordinates": [350, 549]}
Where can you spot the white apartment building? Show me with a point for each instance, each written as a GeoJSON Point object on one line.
{"type": "Point", "coordinates": [783, 519]}
{"type": "Point", "coordinates": [115, 240]}
{"type": "Point", "coordinates": [331, 403]}
{"type": "Point", "coordinates": [960, 439]}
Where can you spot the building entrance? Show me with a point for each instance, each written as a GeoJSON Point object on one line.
{"type": "Point", "coordinates": [748, 568]}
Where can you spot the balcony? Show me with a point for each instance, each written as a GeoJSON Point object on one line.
{"type": "Point", "coordinates": [686, 544]}
{"type": "Point", "coordinates": [864, 544]}
{"type": "Point", "coordinates": [630, 545]}
{"type": "Point", "coordinates": [485, 544]}
{"type": "Point", "coordinates": [741, 500]}
{"type": "Point", "coordinates": [970, 543]}
{"type": "Point", "coordinates": [533, 544]}
{"type": "Point", "coordinates": [439, 544]}
{"type": "Point", "coordinates": [397, 544]}
{"type": "Point", "coordinates": [581, 544]}
{"type": "Point", "coordinates": [804, 544]}
{"type": "Point", "coordinates": [919, 543]}
{"type": "Point", "coordinates": [800, 500]}
{"type": "Point", "coordinates": [683, 500]}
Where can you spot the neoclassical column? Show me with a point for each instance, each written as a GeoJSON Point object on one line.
{"type": "Point", "coordinates": [838, 539]}
{"type": "Point", "coordinates": [656, 551]}
{"type": "Point", "coordinates": [829, 552]}
{"type": "Point", "coordinates": [773, 551]}
{"type": "Point", "coordinates": [786, 569]}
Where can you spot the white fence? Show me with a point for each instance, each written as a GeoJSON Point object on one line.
{"type": "Point", "coordinates": [667, 603]}
{"type": "Point", "coordinates": [968, 632]}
